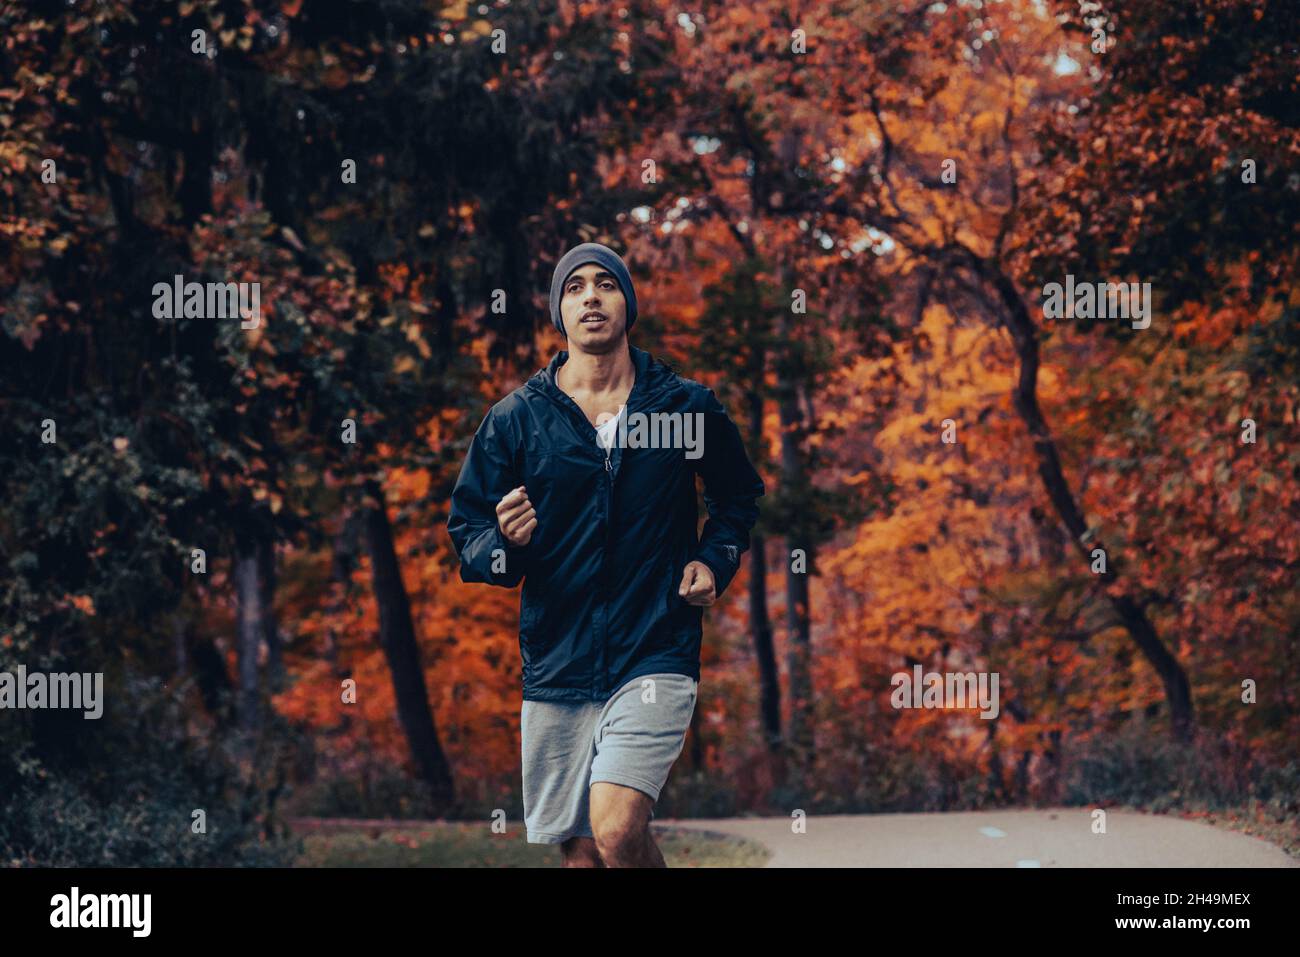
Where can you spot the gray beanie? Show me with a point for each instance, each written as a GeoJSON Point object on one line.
{"type": "Point", "coordinates": [579, 256]}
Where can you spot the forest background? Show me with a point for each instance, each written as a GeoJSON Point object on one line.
{"type": "Point", "coordinates": [841, 216]}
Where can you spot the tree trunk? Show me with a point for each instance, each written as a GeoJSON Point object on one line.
{"type": "Point", "coordinates": [397, 637]}
{"type": "Point", "coordinates": [180, 643]}
{"type": "Point", "coordinates": [343, 562]}
{"type": "Point", "coordinates": [270, 626]}
{"type": "Point", "coordinates": [198, 141]}
{"type": "Point", "coordinates": [760, 629]}
{"type": "Point", "coordinates": [697, 742]}
{"type": "Point", "coordinates": [760, 622]}
{"type": "Point", "coordinates": [1025, 336]}
{"type": "Point", "coordinates": [794, 478]}
{"type": "Point", "coordinates": [250, 633]}
{"type": "Point", "coordinates": [213, 678]}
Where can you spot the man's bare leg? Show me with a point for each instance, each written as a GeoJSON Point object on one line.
{"type": "Point", "coordinates": [580, 852]}
{"type": "Point", "coordinates": [620, 818]}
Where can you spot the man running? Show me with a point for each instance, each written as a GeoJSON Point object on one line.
{"type": "Point", "coordinates": [581, 483]}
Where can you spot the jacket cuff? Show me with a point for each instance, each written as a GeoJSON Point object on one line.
{"type": "Point", "coordinates": [723, 566]}
{"type": "Point", "coordinates": [516, 556]}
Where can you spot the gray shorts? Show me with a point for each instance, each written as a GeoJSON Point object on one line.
{"type": "Point", "coordinates": [632, 739]}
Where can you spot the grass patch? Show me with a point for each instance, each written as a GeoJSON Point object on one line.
{"type": "Point", "coordinates": [1253, 820]}
{"type": "Point", "coordinates": [459, 844]}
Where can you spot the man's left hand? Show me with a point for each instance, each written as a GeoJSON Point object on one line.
{"type": "Point", "coordinates": [697, 585]}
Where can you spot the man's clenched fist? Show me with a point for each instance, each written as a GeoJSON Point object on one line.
{"type": "Point", "coordinates": [697, 585]}
{"type": "Point", "coordinates": [516, 517]}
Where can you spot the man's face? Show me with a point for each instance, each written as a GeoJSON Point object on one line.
{"type": "Point", "coordinates": [594, 310]}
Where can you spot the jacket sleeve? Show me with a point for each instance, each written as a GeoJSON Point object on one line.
{"type": "Point", "coordinates": [486, 475]}
{"type": "Point", "coordinates": [731, 492]}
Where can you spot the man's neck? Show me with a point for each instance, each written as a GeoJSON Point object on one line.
{"type": "Point", "coordinates": [591, 374]}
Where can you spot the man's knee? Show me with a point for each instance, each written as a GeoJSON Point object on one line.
{"type": "Point", "coordinates": [620, 820]}
{"type": "Point", "coordinates": [619, 837]}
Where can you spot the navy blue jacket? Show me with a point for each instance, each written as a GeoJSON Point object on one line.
{"type": "Point", "coordinates": [615, 529]}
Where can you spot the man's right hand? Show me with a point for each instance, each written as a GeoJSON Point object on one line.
{"type": "Point", "coordinates": [516, 517]}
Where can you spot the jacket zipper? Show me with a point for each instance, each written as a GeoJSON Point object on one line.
{"type": "Point", "coordinates": [604, 571]}
{"type": "Point", "coordinates": [571, 408]}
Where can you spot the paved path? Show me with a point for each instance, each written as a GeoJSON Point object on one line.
{"type": "Point", "coordinates": [1054, 837]}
